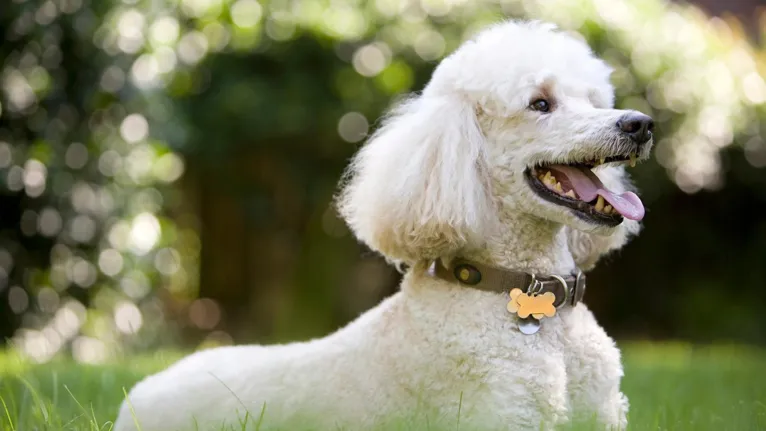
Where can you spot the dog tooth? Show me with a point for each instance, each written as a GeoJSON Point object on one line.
{"type": "Point", "coordinates": [571, 194]}
{"type": "Point", "coordinates": [601, 161]}
{"type": "Point", "coordinates": [558, 187]}
{"type": "Point", "coordinates": [608, 209]}
{"type": "Point", "coordinates": [600, 203]}
{"type": "Point", "coordinates": [632, 160]}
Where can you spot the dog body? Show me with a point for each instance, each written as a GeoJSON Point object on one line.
{"type": "Point", "coordinates": [434, 354]}
{"type": "Point", "coordinates": [453, 173]}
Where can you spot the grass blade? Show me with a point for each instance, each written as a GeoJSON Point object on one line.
{"type": "Point", "coordinates": [132, 411]}
{"type": "Point", "coordinates": [7, 414]}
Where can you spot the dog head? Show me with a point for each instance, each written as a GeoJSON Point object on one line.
{"type": "Point", "coordinates": [520, 117]}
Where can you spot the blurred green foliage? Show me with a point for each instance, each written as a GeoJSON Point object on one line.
{"type": "Point", "coordinates": [152, 152]}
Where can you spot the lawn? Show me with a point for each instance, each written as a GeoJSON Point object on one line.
{"type": "Point", "coordinates": [670, 386]}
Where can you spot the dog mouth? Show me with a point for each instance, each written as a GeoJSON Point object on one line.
{"type": "Point", "coordinates": [576, 186]}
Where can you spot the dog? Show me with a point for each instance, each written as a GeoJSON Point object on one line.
{"type": "Point", "coordinates": [505, 176]}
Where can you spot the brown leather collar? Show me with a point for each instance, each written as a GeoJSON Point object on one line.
{"type": "Point", "coordinates": [569, 290]}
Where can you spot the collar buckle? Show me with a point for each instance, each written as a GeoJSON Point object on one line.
{"type": "Point", "coordinates": [578, 288]}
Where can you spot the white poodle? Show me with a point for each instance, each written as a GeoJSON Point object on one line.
{"type": "Point", "coordinates": [480, 181]}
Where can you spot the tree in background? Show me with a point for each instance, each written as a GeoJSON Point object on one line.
{"type": "Point", "coordinates": [265, 100]}
{"type": "Point", "coordinates": [83, 242]}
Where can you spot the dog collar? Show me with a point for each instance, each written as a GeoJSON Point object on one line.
{"type": "Point", "coordinates": [532, 296]}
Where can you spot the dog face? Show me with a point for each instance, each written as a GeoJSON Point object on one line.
{"type": "Point", "coordinates": [519, 116]}
{"type": "Point", "coordinates": [554, 145]}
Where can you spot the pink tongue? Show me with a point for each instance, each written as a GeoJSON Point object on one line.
{"type": "Point", "coordinates": [588, 186]}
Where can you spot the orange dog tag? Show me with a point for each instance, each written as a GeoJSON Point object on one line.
{"type": "Point", "coordinates": [537, 306]}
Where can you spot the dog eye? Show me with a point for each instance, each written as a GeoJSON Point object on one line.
{"type": "Point", "coordinates": [540, 105]}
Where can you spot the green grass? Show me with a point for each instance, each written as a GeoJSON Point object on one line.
{"type": "Point", "coordinates": [670, 386]}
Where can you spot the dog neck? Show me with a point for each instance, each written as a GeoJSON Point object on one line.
{"type": "Point", "coordinates": [526, 243]}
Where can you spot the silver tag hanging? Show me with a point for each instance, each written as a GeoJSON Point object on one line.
{"type": "Point", "coordinates": [528, 326]}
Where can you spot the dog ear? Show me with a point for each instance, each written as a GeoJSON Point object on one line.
{"type": "Point", "coordinates": [418, 189]}
{"type": "Point", "coordinates": [588, 248]}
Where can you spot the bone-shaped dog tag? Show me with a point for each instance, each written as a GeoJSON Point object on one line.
{"type": "Point", "coordinates": [530, 308]}
{"type": "Point", "coordinates": [538, 306]}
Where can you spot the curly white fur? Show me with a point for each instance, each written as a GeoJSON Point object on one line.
{"type": "Point", "coordinates": [444, 177]}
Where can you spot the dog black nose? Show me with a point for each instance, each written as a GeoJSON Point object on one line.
{"type": "Point", "coordinates": [637, 125]}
